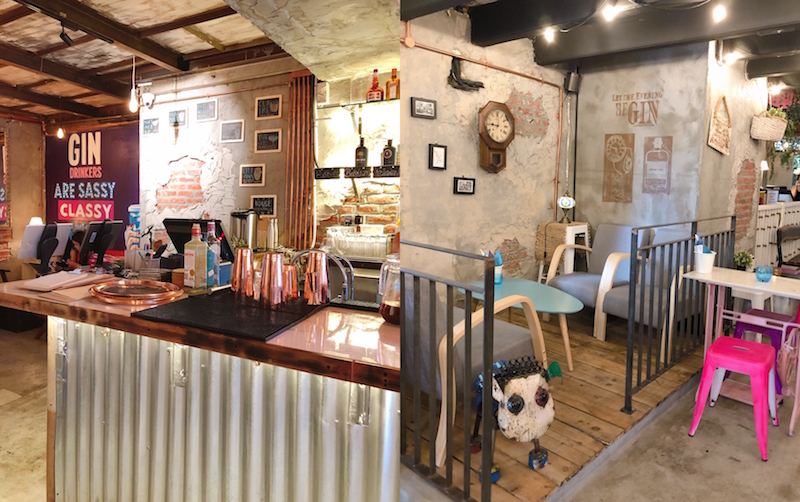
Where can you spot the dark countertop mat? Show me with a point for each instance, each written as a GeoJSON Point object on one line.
{"type": "Point", "coordinates": [221, 312]}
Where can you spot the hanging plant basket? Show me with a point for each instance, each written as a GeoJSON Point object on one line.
{"type": "Point", "coordinates": [767, 128]}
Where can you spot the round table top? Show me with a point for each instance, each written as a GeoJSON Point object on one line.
{"type": "Point", "coordinates": [546, 299]}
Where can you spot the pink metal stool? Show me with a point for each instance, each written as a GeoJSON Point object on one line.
{"type": "Point", "coordinates": [741, 356]}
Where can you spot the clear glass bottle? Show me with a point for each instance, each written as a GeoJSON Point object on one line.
{"type": "Point", "coordinates": [194, 263]}
{"type": "Point", "coordinates": [212, 257]}
{"type": "Point", "coordinates": [393, 86]}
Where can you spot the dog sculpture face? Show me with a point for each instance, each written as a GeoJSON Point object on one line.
{"type": "Point", "coordinates": [526, 408]}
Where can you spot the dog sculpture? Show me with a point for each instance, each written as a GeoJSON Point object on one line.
{"type": "Point", "coordinates": [525, 406]}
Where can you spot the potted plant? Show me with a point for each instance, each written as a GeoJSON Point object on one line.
{"type": "Point", "coordinates": [743, 261]}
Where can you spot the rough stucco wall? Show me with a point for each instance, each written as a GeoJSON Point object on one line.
{"type": "Point", "coordinates": [719, 172]}
{"type": "Point", "coordinates": [25, 145]}
{"type": "Point", "coordinates": [680, 73]}
{"type": "Point", "coordinates": [507, 205]}
{"type": "Point", "coordinates": [166, 159]}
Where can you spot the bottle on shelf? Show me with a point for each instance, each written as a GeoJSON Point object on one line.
{"type": "Point", "coordinates": [212, 258]}
{"type": "Point", "coordinates": [376, 92]}
{"type": "Point", "coordinates": [194, 263]}
{"type": "Point", "coordinates": [361, 154]}
{"type": "Point", "coordinates": [393, 86]}
{"type": "Point", "coordinates": [389, 154]}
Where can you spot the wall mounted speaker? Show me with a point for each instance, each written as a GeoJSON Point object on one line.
{"type": "Point", "coordinates": [572, 82]}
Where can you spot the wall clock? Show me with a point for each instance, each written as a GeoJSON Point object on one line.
{"type": "Point", "coordinates": [496, 130]}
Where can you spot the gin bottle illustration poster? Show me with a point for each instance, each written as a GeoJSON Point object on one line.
{"type": "Point", "coordinates": [657, 164]}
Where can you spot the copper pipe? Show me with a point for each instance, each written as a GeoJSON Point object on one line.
{"type": "Point", "coordinates": [311, 163]}
{"type": "Point", "coordinates": [287, 208]}
{"type": "Point", "coordinates": [411, 43]}
{"type": "Point", "coordinates": [300, 168]}
{"type": "Point", "coordinates": [308, 115]}
{"type": "Point", "coordinates": [289, 223]}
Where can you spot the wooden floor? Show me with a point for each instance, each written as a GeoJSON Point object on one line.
{"type": "Point", "coordinates": [588, 417]}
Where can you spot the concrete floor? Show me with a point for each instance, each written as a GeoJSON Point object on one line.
{"type": "Point", "coordinates": [720, 463]}
{"type": "Point", "coordinates": [23, 417]}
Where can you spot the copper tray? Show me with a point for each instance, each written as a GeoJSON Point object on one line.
{"type": "Point", "coordinates": [136, 292]}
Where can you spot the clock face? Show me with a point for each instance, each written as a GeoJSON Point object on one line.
{"type": "Point", "coordinates": [498, 125]}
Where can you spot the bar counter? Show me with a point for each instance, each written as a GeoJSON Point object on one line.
{"type": "Point", "coordinates": [144, 410]}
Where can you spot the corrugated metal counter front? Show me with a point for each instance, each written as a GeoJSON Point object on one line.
{"type": "Point", "coordinates": [159, 412]}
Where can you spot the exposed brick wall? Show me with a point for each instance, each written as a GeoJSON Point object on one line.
{"type": "Point", "coordinates": [530, 119]}
{"type": "Point", "coordinates": [746, 186]}
{"type": "Point", "coordinates": [5, 243]}
{"type": "Point", "coordinates": [514, 256]}
{"type": "Point", "coordinates": [378, 204]}
{"type": "Point", "coordinates": [183, 189]}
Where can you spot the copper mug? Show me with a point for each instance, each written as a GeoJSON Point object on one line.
{"type": "Point", "coordinates": [242, 278]}
{"type": "Point", "coordinates": [290, 282]}
{"type": "Point", "coordinates": [316, 290]}
{"type": "Point", "coordinates": [272, 279]}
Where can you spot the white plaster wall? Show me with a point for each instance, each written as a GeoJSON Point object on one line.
{"type": "Point", "coordinates": [680, 73]}
{"type": "Point", "coordinates": [505, 205]}
{"type": "Point", "coordinates": [745, 98]}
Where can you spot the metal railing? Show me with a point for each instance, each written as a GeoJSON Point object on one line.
{"type": "Point", "coordinates": [416, 380]}
{"type": "Point", "coordinates": [665, 312]}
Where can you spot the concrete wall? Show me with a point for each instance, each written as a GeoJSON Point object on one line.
{"type": "Point", "coordinates": [675, 79]}
{"type": "Point", "coordinates": [24, 176]}
{"type": "Point", "coordinates": [719, 173]}
{"type": "Point", "coordinates": [506, 205]}
{"type": "Point", "coordinates": [188, 172]}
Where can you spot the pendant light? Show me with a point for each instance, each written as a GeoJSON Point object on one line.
{"type": "Point", "coordinates": [60, 132]}
{"type": "Point", "coordinates": [133, 106]}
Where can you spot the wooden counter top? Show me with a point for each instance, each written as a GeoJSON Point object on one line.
{"type": "Point", "coordinates": [335, 342]}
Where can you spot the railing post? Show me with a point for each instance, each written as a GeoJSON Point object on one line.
{"type": "Point", "coordinates": [488, 354]}
{"type": "Point", "coordinates": [634, 268]}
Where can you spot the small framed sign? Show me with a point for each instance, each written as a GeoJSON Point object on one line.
{"type": "Point", "coordinates": [464, 186]}
{"type": "Point", "coordinates": [207, 110]}
{"type": "Point", "coordinates": [423, 108]}
{"type": "Point", "coordinates": [268, 141]}
{"type": "Point", "coordinates": [231, 131]}
{"type": "Point", "coordinates": [327, 173]}
{"type": "Point", "coordinates": [357, 172]}
{"type": "Point", "coordinates": [252, 175]}
{"type": "Point", "coordinates": [269, 107]}
{"type": "Point", "coordinates": [149, 126]}
{"type": "Point", "coordinates": [264, 204]}
{"type": "Point", "coordinates": [437, 157]}
{"type": "Point", "coordinates": [179, 118]}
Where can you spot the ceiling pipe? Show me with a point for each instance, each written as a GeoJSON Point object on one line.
{"type": "Point", "coordinates": [21, 118]}
{"type": "Point", "coordinates": [409, 42]}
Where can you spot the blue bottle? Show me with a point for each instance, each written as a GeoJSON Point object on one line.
{"type": "Point", "coordinates": [498, 268]}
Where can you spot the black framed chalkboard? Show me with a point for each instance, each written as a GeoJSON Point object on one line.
{"type": "Point", "coordinates": [357, 172]}
{"type": "Point", "coordinates": [386, 172]}
{"type": "Point", "coordinates": [268, 140]}
{"type": "Point", "coordinates": [178, 118]}
{"type": "Point", "coordinates": [264, 204]}
{"type": "Point", "coordinates": [150, 126]}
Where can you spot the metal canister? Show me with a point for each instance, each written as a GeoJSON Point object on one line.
{"type": "Point", "coordinates": [272, 234]}
{"type": "Point", "coordinates": [316, 290]}
{"type": "Point", "coordinates": [272, 279]}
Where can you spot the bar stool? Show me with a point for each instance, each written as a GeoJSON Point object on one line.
{"type": "Point", "coordinates": [750, 358]}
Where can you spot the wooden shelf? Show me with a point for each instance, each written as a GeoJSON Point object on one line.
{"type": "Point", "coordinates": [358, 103]}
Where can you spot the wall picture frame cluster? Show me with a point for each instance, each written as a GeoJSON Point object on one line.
{"type": "Point", "coordinates": [269, 107]}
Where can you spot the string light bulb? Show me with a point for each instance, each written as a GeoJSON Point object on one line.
{"type": "Point", "coordinates": [549, 34]}
{"type": "Point", "coordinates": [777, 89]}
{"type": "Point", "coordinates": [60, 133]}
{"type": "Point", "coordinates": [719, 13]}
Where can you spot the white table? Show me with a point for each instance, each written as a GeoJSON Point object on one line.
{"type": "Point", "coordinates": [717, 281]}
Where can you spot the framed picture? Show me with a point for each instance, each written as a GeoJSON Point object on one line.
{"type": "Point", "coordinates": [269, 107]}
{"type": "Point", "coordinates": [149, 126]}
{"type": "Point", "coordinates": [437, 157]}
{"type": "Point", "coordinates": [423, 108]}
{"type": "Point", "coordinates": [207, 110]}
{"type": "Point", "coordinates": [252, 175]}
{"type": "Point", "coordinates": [179, 118]}
{"type": "Point", "coordinates": [231, 131]}
{"type": "Point", "coordinates": [264, 204]}
{"type": "Point", "coordinates": [268, 141]}
{"type": "Point", "coordinates": [464, 186]}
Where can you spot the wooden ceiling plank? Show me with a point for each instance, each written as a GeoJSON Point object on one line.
{"type": "Point", "coordinates": [15, 111]}
{"type": "Point", "coordinates": [14, 14]}
{"type": "Point", "coordinates": [78, 16]}
{"type": "Point", "coordinates": [36, 84]}
{"type": "Point", "coordinates": [29, 61]}
{"type": "Point", "coordinates": [186, 21]}
{"type": "Point", "coordinates": [61, 46]}
{"type": "Point", "coordinates": [253, 44]}
{"type": "Point", "coordinates": [49, 101]}
{"type": "Point", "coordinates": [205, 37]}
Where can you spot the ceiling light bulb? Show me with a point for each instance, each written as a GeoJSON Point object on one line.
{"type": "Point", "coordinates": [549, 34]}
{"type": "Point", "coordinates": [777, 89]}
{"type": "Point", "coordinates": [719, 13]}
{"type": "Point", "coordinates": [732, 57]}
{"type": "Point", "coordinates": [764, 165]}
{"type": "Point", "coordinates": [610, 12]}
{"type": "Point", "coordinates": [60, 133]}
{"type": "Point", "coordinates": [133, 106]}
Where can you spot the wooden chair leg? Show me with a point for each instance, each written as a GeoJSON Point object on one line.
{"type": "Point", "coordinates": [562, 321]}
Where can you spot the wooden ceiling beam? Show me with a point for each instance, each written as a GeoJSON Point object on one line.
{"type": "Point", "coordinates": [14, 14]}
{"type": "Point", "coordinates": [205, 37]}
{"type": "Point", "coordinates": [61, 46]}
{"type": "Point", "coordinates": [30, 61]}
{"type": "Point", "coordinates": [78, 16]}
{"type": "Point", "coordinates": [258, 43]}
{"type": "Point", "coordinates": [13, 111]}
{"type": "Point", "coordinates": [186, 21]}
{"type": "Point", "coordinates": [50, 101]}
{"type": "Point", "coordinates": [35, 84]}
